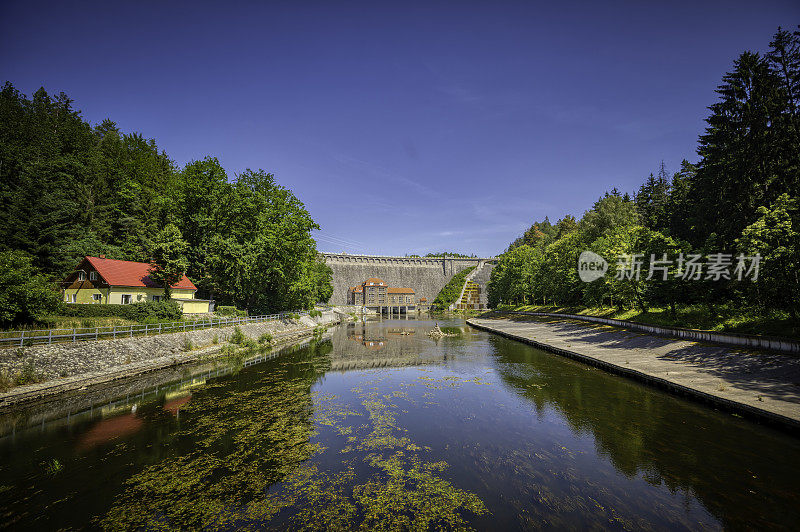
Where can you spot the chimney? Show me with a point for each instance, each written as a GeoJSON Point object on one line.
{"type": "Point", "coordinates": [102, 256]}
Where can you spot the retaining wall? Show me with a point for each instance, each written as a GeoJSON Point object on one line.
{"type": "Point", "coordinates": [57, 361]}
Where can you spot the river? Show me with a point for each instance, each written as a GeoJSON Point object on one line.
{"type": "Point", "coordinates": [377, 426]}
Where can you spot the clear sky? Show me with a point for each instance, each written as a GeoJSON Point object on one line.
{"type": "Point", "coordinates": [403, 127]}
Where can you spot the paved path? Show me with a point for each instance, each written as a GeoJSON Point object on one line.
{"type": "Point", "coordinates": [759, 385]}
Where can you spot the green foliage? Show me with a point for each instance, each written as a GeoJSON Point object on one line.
{"type": "Point", "coordinates": [28, 374]}
{"type": "Point", "coordinates": [315, 313]}
{"type": "Point", "coordinates": [265, 338]}
{"type": "Point", "coordinates": [775, 236]}
{"type": "Point", "coordinates": [141, 312]}
{"type": "Point", "coordinates": [26, 296]}
{"type": "Point", "coordinates": [70, 189]}
{"type": "Point", "coordinates": [187, 345]}
{"type": "Point", "coordinates": [741, 197]}
{"type": "Point", "coordinates": [230, 311]}
{"type": "Point", "coordinates": [169, 258]}
{"type": "Point", "coordinates": [448, 295]}
{"type": "Point", "coordinates": [293, 316]}
{"type": "Point", "coordinates": [446, 254]}
{"type": "Point", "coordinates": [263, 258]}
{"type": "Point", "coordinates": [238, 336]}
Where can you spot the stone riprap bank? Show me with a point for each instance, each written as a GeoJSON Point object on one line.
{"type": "Point", "coordinates": [426, 275]}
{"type": "Point", "coordinates": [62, 362]}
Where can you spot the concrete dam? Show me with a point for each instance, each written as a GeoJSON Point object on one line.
{"type": "Point", "coordinates": [426, 275]}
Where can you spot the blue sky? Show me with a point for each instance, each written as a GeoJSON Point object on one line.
{"type": "Point", "coordinates": [404, 128]}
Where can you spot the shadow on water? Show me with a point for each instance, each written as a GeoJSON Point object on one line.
{"type": "Point", "coordinates": [381, 427]}
{"type": "Point", "coordinates": [744, 474]}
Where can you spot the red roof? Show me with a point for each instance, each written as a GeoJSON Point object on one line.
{"type": "Point", "coordinates": [129, 273]}
{"type": "Point", "coordinates": [401, 290]}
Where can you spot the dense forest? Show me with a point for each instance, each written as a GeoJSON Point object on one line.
{"type": "Point", "coordinates": [739, 200]}
{"type": "Point", "coordinates": [69, 189]}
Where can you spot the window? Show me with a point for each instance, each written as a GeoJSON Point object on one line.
{"type": "Point", "coordinates": [81, 276]}
{"type": "Point", "coordinates": [156, 298]}
{"type": "Point", "coordinates": [92, 276]}
{"type": "Point", "coordinates": [74, 298]}
{"type": "Point", "coordinates": [126, 299]}
{"type": "Point", "coordinates": [97, 298]}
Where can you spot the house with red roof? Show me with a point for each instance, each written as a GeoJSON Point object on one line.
{"type": "Point", "coordinates": [98, 280]}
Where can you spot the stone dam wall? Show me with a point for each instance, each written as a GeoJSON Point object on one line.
{"type": "Point", "coordinates": [427, 275]}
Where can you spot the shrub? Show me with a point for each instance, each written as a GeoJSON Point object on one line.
{"type": "Point", "coordinates": [145, 311]}
{"type": "Point", "coordinates": [215, 339]}
{"type": "Point", "coordinates": [315, 313]}
{"type": "Point", "coordinates": [292, 316]}
{"type": "Point", "coordinates": [238, 336]}
{"type": "Point", "coordinates": [188, 345]}
{"type": "Point", "coordinates": [265, 338]}
{"type": "Point", "coordinates": [230, 311]}
{"type": "Point", "coordinates": [28, 374]}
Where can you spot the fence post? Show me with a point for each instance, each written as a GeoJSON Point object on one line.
{"type": "Point", "coordinates": [131, 329]}
{"type": "Point", "coordinates": [22, 338]}
{"type": "Point", "coordinates": [159, 328]}
{"type": "Point", "coordinates": [49, 336]}
{"type": "Point", "coordinates": [114, 332]}
{"type": "Point", "coordinates": [145, 329]}
{"type": "Point", "coordinates": [96, 332]}
{"type": "Point", "coordinates": [74, 336]}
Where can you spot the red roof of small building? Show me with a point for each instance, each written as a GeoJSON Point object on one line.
{"type": "Point", "coordinates": [401, 290]}
{"type": "Point", "coordinates": [129, 273]}
{"type": "Point", "coordinates": [375, 281]}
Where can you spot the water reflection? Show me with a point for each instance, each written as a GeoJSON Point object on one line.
{"type": "Point", "coordinates": [380, 427]}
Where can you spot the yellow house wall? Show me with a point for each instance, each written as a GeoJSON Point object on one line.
{"type": "Point", "coordinates": [138, 294]}
{"type": "Point", "coordinates": [145, 294]}
{"type": "Point", "coordinates": [193, 307]}
{"type": "Point", "coordinates": [84, 296]}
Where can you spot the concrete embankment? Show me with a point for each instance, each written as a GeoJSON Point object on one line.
{"type": "Point", "coordinates": [762, 386]}
{"type": "Point", "coordinates": [68, 367]}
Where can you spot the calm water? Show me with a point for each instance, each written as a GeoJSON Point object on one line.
{"type": "Point", "coordinates": [379, 427]}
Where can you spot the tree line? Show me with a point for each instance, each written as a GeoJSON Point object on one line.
{"type": "Point", "coordinates": [739, 200]}
{"type": "Point", "coordinates": [70, 189]}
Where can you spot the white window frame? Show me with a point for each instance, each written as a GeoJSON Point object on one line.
{"type": "Point", "coordinates": [81, 276]}
{"type": "Point", "coordinates": [97, 298]}
{"type": "Point", "coordinates": [74, 298]}
{"type": "Point", "coordinates": [130, 299]}
{"type": "Point", "coordinates": [92, 276]}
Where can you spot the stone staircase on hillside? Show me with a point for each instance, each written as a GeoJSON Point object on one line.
{"type": "Point", "coordinates": [474, 292]}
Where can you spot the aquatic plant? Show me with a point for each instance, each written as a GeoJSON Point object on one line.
{"type": "Point", "coordinates": [52, 467]}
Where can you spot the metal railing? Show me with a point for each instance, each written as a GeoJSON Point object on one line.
{"type": "Point", "coordinates": [49, 336]}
